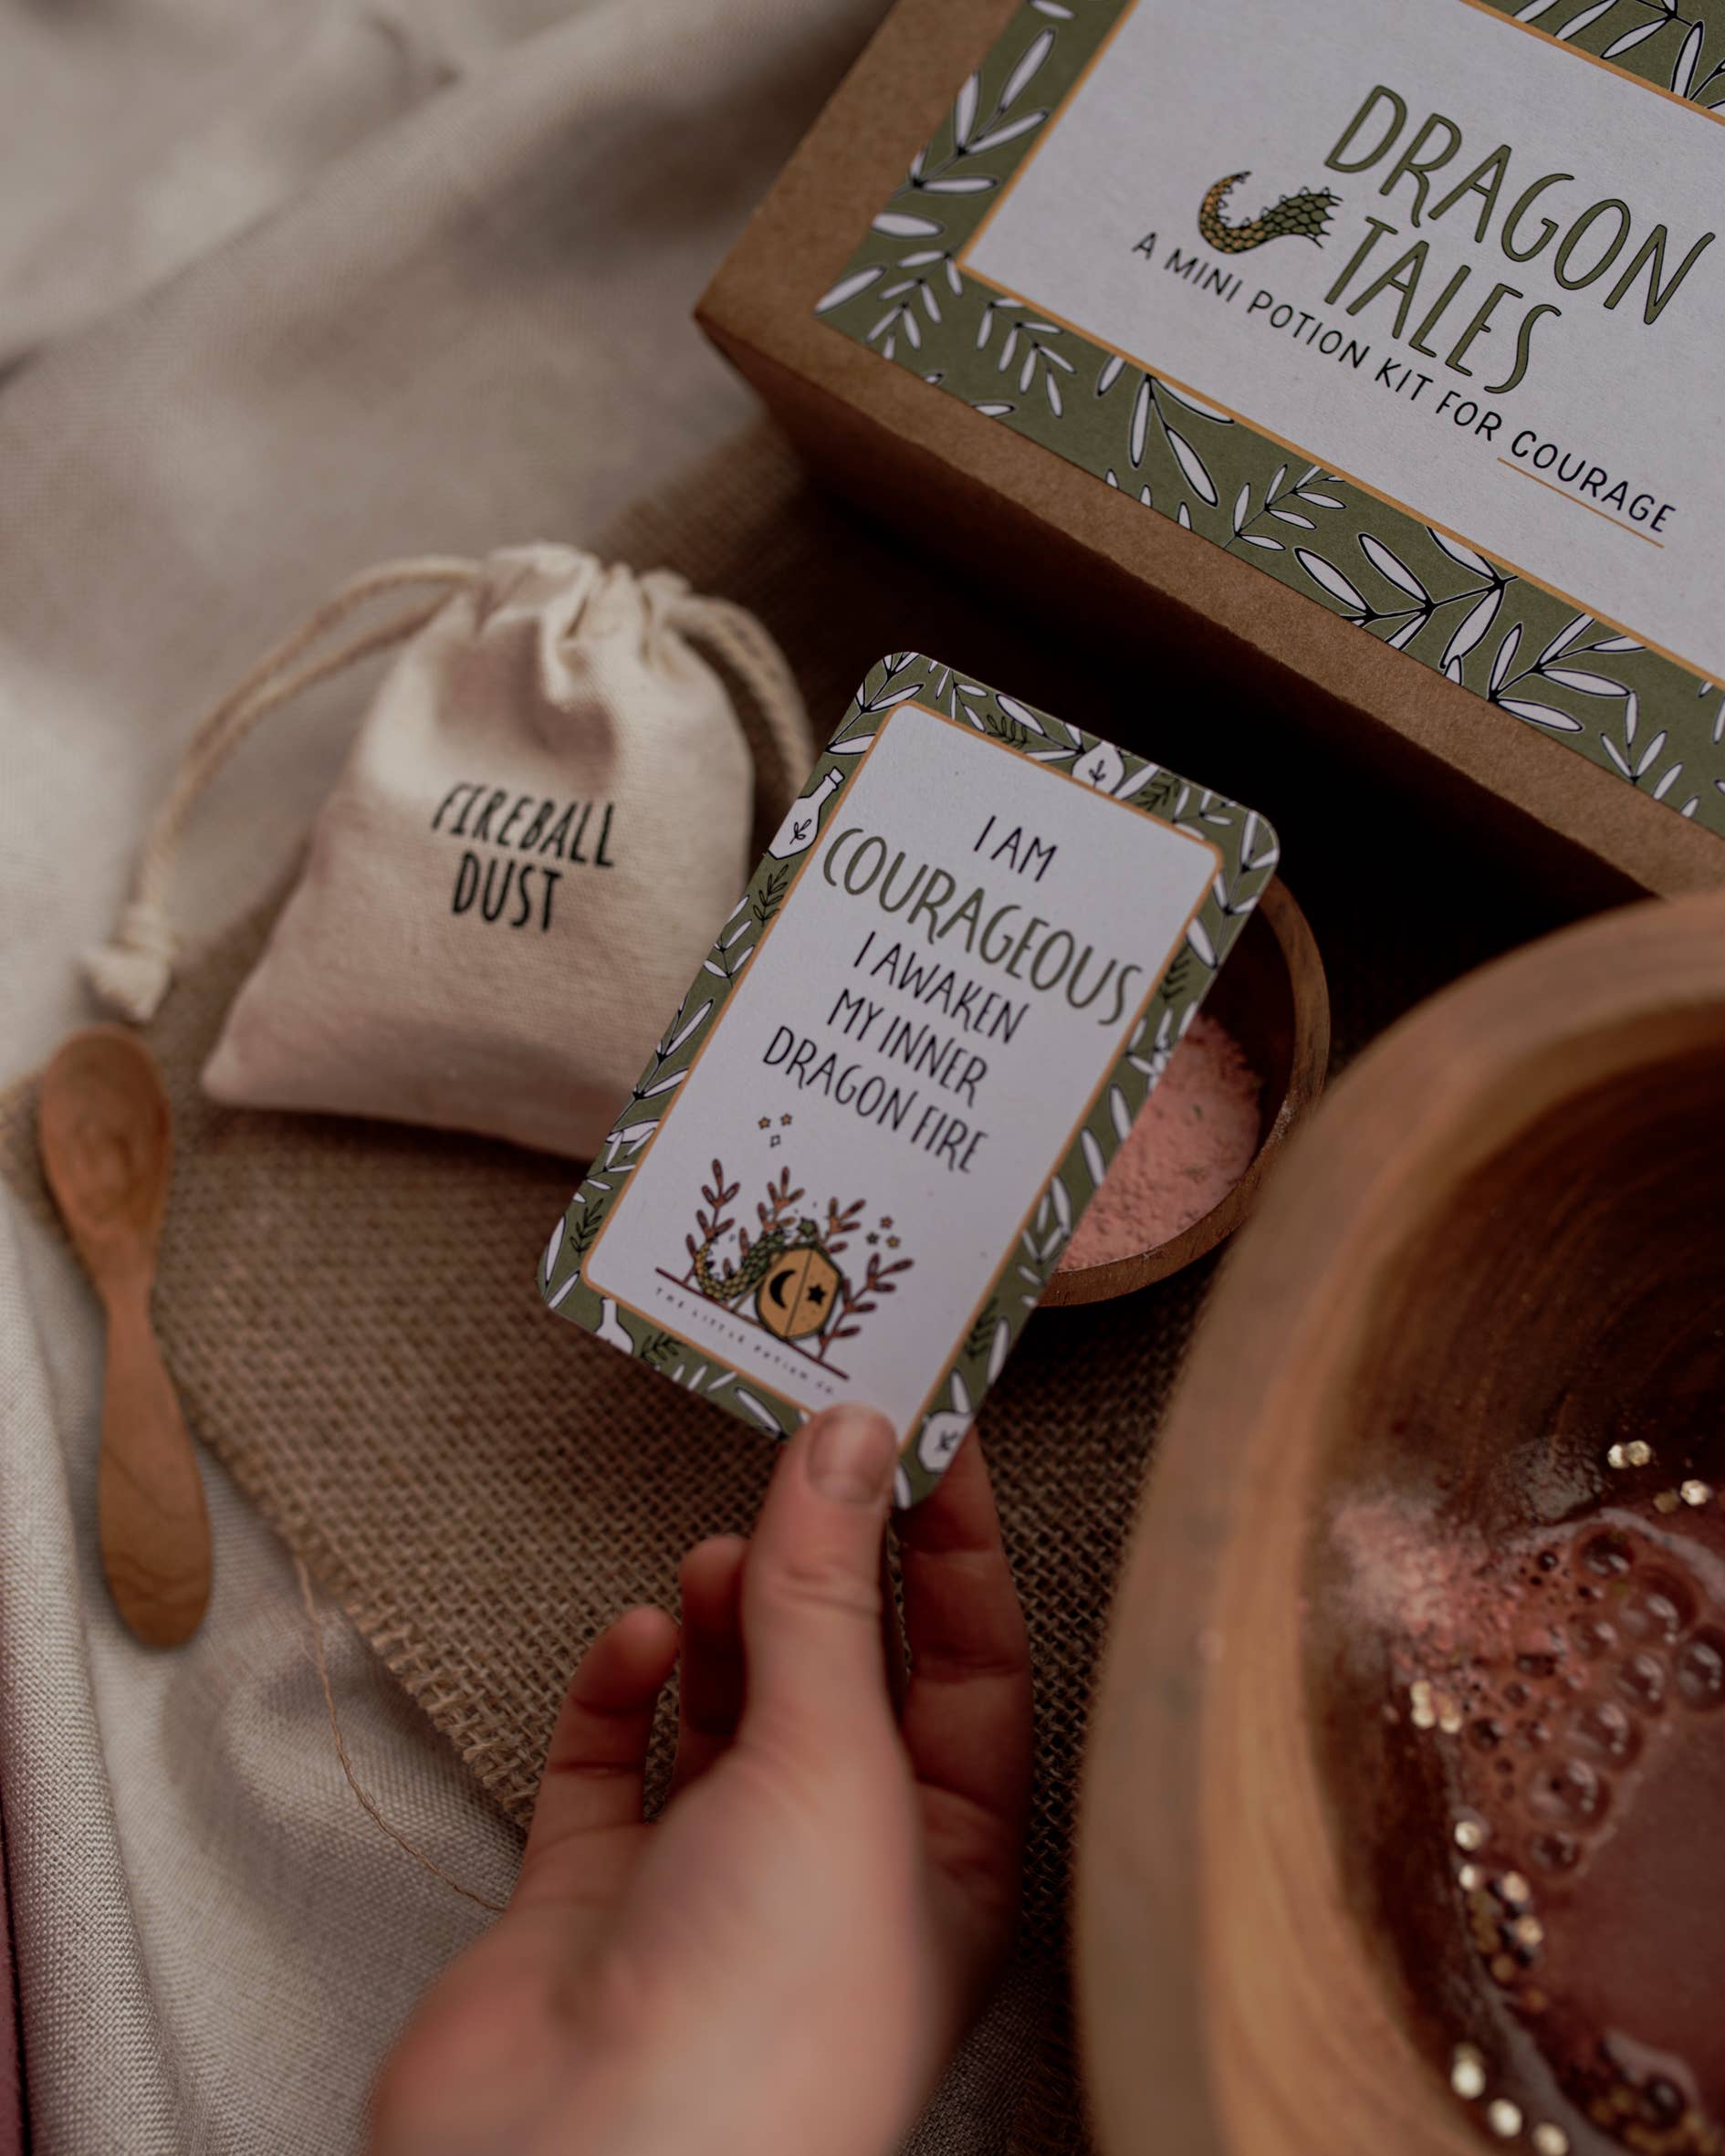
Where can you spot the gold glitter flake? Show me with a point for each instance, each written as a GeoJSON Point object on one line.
{"type": "Point", "coordinates": [1527, 1931]}
{"type": "Point", "coordinates": [1470, 1878]}
{"type": "Point", "coordinates": [1504, 2118]}
{"type": "Point", "coordinates": [1467, 2073]}
{"type": "Point", "coordinates": [1666, 1501]}
{"type": "Point", "coordinates": [1637, 1452]}
{"type": "Point", "coordinates": [1695, 1492]}
{"type": "Point", "coordinates": [1549, 2139]}
{"type": "Point", "coordinates": [1515, 1888]}
{"type": "Point", "coordinates": [1470, 1834]}
{"type": "Point", "coordinates": [1421, 1712]}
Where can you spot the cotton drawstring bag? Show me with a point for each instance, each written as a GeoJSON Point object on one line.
{"type": "Point", "coordinates": [543, 821]}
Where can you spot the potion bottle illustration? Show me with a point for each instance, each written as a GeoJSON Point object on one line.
{"type": "Point", "coordinates": [796, 834]}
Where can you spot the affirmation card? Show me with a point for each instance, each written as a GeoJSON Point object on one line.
{"type": "Point", "coordinates": [866, 1136]}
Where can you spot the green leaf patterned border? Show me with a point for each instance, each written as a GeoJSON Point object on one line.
{"type": "Point", "coordinates": [1677, 49]}
{"type": "Point", "coordinates": [1653, 722]}
{"type": "Point", "coordinates": [1248, 852]}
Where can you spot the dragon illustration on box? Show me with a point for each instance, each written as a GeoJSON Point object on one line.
{"type": "Point", "coordinates": [1305, 215]}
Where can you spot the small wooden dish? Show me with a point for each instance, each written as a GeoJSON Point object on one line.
{"type": "Point", "coordinates": [1272, 996]}
{"type": "Point", "coordinates": [1500, 1238]}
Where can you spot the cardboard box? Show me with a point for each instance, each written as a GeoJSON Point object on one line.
{"type": "Point", "coordinates": [1566, 770]}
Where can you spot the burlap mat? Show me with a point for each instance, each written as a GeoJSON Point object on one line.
{"type": "Point", "coordinates": [349, 1309]}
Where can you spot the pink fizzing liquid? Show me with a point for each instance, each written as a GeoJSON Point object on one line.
{"type": "Point", "coordinates": [1564, 1701]}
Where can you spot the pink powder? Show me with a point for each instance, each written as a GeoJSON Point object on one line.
{"type": "Point", "coordinates": [1408, 1576]}
{"type": "Point", "coordinates": [1195, 1139]}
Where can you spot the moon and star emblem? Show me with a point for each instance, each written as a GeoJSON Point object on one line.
{"type": "Point", "coordinates": [785, 1275]}
{"type": "Point", "coordinates": [796, 1297]}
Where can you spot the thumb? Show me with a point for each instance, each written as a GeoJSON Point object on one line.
{"type": "Point", "coordinates": [811, 1583]}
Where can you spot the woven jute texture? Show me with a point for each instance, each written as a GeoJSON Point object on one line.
{"type": "Point", "coordinates": [349, 1309]}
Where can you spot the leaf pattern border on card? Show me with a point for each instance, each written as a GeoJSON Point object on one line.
{"type": "Point", "coordinates": [1642, 716]}
{"type": "Point", "coordinates": [1248, 851]}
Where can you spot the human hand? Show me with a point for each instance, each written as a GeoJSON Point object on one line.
{"type": "Point", "coordinates": [782, 1963]}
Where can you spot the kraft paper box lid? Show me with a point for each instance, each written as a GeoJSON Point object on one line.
{"type": "Point", "coordinates": [1602, 753]}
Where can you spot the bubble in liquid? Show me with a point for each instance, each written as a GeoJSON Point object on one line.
{"type": "Point", "coordinates": [1595, 1635]}
{"type": "Point", "coordinates": [1659, 1611]}
{"type": "Point", "coordinates": [1485, 1733]}
{"type": "Point", "coordinates": [1700, 1669]}
{"type": "Point", "coordinates": [1606, 1556]}
{"type": "Point", "coordinates": [1641, 1680]}
{"type": "Point", "coordinates": [1602, 1729]}
{"type": "Point", "coordinates": [1570, 1791]}
{"type": "Point", "coordinates": [1556, 1851]}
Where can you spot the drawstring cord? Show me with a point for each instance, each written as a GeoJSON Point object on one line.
{"type": "Point", "coordinates": [132, 972]}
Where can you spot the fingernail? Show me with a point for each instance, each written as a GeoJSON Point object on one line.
{"type": "Point", "coordinates": [851, 1454]}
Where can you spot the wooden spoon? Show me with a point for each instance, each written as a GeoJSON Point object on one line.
{"type": "Point", "coordinates": [103, 1130]}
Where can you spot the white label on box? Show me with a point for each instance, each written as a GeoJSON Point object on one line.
{"type": "Point", "coordinates": [1470, 336]}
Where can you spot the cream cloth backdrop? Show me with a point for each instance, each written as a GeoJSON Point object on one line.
{"type": "Point", "coordinates": [298, 289]}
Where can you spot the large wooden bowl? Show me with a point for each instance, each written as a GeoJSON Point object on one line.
{"type": "Point", "coordinates": [1272, 998]}
{"type": "Point", "coordinates": [1502, 1233]}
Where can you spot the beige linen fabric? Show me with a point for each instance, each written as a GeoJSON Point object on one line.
{"type": "Point", "coordinates": [351, 1316]}
{"type": "Point", "coordinates": [544, 820]}
{"type": "Point", "coordinates": [214, 1942]}
{"type": "Point", "coordinates": [469, 328]}
{"type": "Point", "coordinates": [143, 132]}
{"type": "Point", "coordinates": [482, 1486]}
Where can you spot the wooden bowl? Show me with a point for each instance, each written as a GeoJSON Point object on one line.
{"type": "Point", "coordinates": [1500, 1242]}
{"type": "Point", "coordinates": [1272, 998]}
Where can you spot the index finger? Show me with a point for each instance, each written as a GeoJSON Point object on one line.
{"type": "Point", "coordinates": [967, 1720]}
